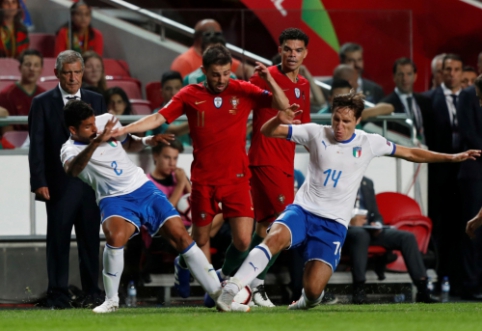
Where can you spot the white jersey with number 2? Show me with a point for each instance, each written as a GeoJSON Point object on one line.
{"type": "Point", "coordinates": [109, 172]}
{"type": "Point", "coordinates": [335, 169]}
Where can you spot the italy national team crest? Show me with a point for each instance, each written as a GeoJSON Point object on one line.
{"type": "Point", "coordinates": [218, 102]}
{"type": "Point", "coordinates": [297, 93]}
{"type": "Point", "coordinates": [357, 152]}
{"type": "Point", "coordinates": [113, 142]}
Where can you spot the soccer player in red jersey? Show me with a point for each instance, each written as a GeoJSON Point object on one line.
{"type": "Point", "coordinates": [217, 112]}
{"type": "Point", "coordinates": [272, 181]}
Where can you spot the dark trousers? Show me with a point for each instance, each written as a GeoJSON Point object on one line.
{"type": "Point", "coordinates": [359, 239]}
{"type": "Point", "coordinates": [76, 207]}
{"type": "Point", "coordinates": [470, 249]}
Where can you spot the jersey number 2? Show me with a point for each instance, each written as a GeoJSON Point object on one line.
{"type": "Point", "coordinates": [334, 176]}
{"type": "Point", "coordinates": [118, 172]}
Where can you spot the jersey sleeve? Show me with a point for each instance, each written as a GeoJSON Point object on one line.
{"type": "Point", "coordinates": [381, 146]}
{"type": "Point", "coordinates": [67, 153]}
{"type": "Point", "coordinates": [174, 108]}
{"type": "Point", "coordinates": [260, 98]}
{"type": "Point", "coordinates": [302, 134]}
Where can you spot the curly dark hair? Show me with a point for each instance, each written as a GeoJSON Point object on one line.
{"type": "Point", "coordinates": [352, 101]}
{"type": "Point", "coordinates": [293, 34]}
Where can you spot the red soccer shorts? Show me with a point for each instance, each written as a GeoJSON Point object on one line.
{"type": "Point", "coordinates": [235, 200]}
{"type": "Point", "coordinates": [272, 190]}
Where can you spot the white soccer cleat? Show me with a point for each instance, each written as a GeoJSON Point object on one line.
{"type": "Point", "coordinates": [225, 300]}
{"type": "Point", "coordinates": [235, 306]}
{"type": "Point", "coordinates": [260, 298]}
{"type": "Point", "coordinates": [302, 304]}
{"type": "Point", "coordinates": [109, 306]}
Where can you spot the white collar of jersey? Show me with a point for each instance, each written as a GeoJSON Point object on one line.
{"type": "Point", "coordinates": [348, 140]}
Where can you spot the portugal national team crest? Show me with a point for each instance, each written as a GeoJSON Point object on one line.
{"type": "Point", "coordinates": [357, 152]}
{"type": "Point", "coordinates": [297, 93]}
{"type": "Point", "coordinates": [234, 103]}
{"type": "Point", "coordinates": [218, 102]}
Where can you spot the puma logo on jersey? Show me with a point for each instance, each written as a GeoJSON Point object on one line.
{"type": "Point", "coordinates": [199, 102]}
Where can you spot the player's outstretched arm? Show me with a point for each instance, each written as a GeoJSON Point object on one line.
{"type": "Point", "coordinates": [144, 124]}
{"type": "Point", "coordinates": [280, 101]}
{"type": "Point", "coordinates": [75, 166]}
{"type": "Point", "coordinates": [474, 224]}
{"type": "Point", "coordinates": [418, 155]}
{"type": "Point", "coordinates": [276, 127]}
{"type": "Point", "coordinates": [136, 144]}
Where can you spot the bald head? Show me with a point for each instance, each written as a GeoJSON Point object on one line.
{"type": "Point", "coordinates": [346, 72]}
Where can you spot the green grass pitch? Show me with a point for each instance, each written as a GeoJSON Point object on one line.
{"type": "Point", "coordinates": [386, 317]}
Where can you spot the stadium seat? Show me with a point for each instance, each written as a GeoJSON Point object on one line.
{"type": "Point", "coordinates": [7, 80]}
{"type": "Point", "coordinates": [404, 213]}
{"type": "Point", "coordinates": [113, 67]}
{"type": "Point", "coordinates": [141, 107]}
{"type": "Point", "coordinates": [131, 86]}
{"type": "Point", "coordinates": [9, 67]}
{"type": "Point", "coordinates": [43, 42]}
{"type": "Point", "coordinates": [48, 82]}
{"type": "Point", "coordinates": [153, 94]}
{"type": "Point", "coordinates": [49, 66]}
{"type": "Point", "coordinates": [14, 138]}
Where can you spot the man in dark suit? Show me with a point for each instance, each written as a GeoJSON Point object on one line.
{"type": "Point", "coordinates": [469, 114]}
{"type": "Point", "coordinates": [442, 135]}
{"type": "Point", "coordinates": [404, 101]}
{"type": "Point", "coordinates": [358, 239]}
{"type": "Point", "coordinates": [69, 201]}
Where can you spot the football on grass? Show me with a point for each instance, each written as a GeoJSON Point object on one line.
{"type": "Point", "coordinates": [244, 296]}
{"type": "Point", "coordinates": [184, 207]}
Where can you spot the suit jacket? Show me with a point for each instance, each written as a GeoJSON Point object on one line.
{"type": "Point", "coordinates": [368, 192]}
{"type": "Point", "coordinates": [372, 91]}
{"type": "Point", "coordinates": [48, 133]}
{"type": "Point", "coordinates": [422, 101]}
{"type": "Point", "coordinates": [469, 115]}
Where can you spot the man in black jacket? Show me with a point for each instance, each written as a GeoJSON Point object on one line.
{"type": "Point", "coordinates": [358, 239]}
{"type": "Point", "coordinates": [69, 201]}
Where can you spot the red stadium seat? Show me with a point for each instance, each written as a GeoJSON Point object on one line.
{"type": "Point", "coordinates": [49, 66]}
{"type": "Point", "coordinates": [141, 107]}
{"type": "Point", "coordinates": [48, 82]}
{"type": "Point", "coordinates": [9, 67]}
{"type": "Point", "coordinates": [14, 138]}
{"type": "Point", "coordinates": [113, 67]}
{"type": "Point", "coordinates": [131, 86]}
{"type": "Point", "coordinates": [7, 80]}
{"type": "Point", "coordinates": [404, 213]}
{"type": "Point", "coordinates": [43, 42]}
{"type": "Point", "coordinates": [153, 94]}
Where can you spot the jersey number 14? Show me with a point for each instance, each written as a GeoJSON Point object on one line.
{"type": "Point", "coordinates": [335, 176]}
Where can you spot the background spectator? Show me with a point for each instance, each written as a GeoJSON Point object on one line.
{"type": "Point", "coordinates": [17, 97]}
{"type": "Point", "coordinates": [338, 86]}
{"type": "Point", "coordinates": [117, 101]}
{"type": "Point", "coordinates": [14, 35]}
{"type": "Point", "coordinates": [436, 66]}
{"type": "Point", "coordinates": [468, 76]}
{"type": "Point", "coordinates": [94, 75]}
{"type": "Point", "coordinates": [84, 36]}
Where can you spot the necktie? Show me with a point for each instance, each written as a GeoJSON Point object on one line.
{"type": "Point", "coordinates": [455, 133]}
{"type": "Point", "coordinates": [454, 114]}
{"type": "Point", "coordinates": [74, 97]}
{"type": "Point", "coordinates": [414, 113]}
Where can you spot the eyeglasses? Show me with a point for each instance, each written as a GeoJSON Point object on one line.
{"type": "Point", "coordinates": [209, 34]}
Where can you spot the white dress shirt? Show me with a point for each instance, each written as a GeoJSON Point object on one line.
{"type": "Point", "coordinates": [65, 95]}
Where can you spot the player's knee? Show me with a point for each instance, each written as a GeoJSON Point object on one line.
{"type": "Point", "coordinates": [116, 238]}
{"type": "Point", "coordinates": [242, 244]}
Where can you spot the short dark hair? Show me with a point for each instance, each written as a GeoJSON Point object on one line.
{"type": "Point", "coordinates": [469, 69]}
{"type": "Point", "coordinates": [176, 144]}
{"type": "Point", "coordinates": [339, 83]}
{"type": "Point", "coordinates": [402, 62]}
{"type": "Point", "coordinates": [217, 54]}
{"type": "Point", "coordinates": [170, 75]}
{"type": "Point", "coordinates": [293, 34]}
{"type": "Point", "coordinates": [353, 101]}
{"type": "Point", "coordinates": [348, 48]}
{"type": "Point", "coordinates": [453, 57]}
{"type": "Point", "coordinates": [478, 82]}
{"type": "Point", "coordinates": [117, 90]}
{"type": "Point", "coordinates": [212, 38]}
{"type": "Point", "coordinates": [27, 52]}
{"type": "Point", "coordinates": [76, 111]}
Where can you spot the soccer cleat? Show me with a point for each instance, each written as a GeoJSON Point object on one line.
{"type": "Point", "coordinates": [260, 298]}
{"type": "Point", "coordinates": [208, 301]}
{"type": "Point", "coordinates": [181, 279]}
{"type": "Point", "coordinates": [303, 304]}
{"type": "Point", "coordinates": [225, 300]}
{"type": "Point", "coordinates": [240, 307]}
{"type": "Point", "coordinates": [109, 306]}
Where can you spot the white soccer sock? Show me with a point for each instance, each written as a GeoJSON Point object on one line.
{"type": "Point", "coordinates": [311, 303]}
{"type": "Point", "coordinates": [113, 265]}
{"type": "Point", "coordinates": [201, 269]}
{"type": "Point", "coordinates": [254, 264]}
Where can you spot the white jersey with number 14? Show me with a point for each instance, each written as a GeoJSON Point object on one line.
{"type": "Point", "coordinates": [335, 169]}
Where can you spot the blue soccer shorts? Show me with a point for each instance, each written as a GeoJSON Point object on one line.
{"type": "Point", "coordinates": [316, 237]}
{"type": "Point", "coordinates": [146, 206]}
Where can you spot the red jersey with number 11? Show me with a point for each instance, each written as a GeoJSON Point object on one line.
{"type": "Point", "coordinates": [218, 128]}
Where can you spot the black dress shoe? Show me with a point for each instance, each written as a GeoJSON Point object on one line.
{"type": "Point", "coordinates": [359, 294]}
{"type": "Point", "coordinates": [91, 301]}
{"type": "Point", "coordinates": [474, 296]}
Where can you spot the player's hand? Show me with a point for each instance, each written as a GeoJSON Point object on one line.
{"type": "Point", "coordinates": [180, 175]}
{"type": "Point", "coordinates": [165, 138]}
{"type": "Point", "coordinates": [358, 220]}
{"type": "Point", "coordinates": [119, 131]}
{"type": "Point", "coordinates": [262, 71]}
{"type": "Point", "coordinates": [473, 225]}
{"type": "Point", "coordinates": [471, 154]}
{"type": "Point", "coordinates": [288, 115]}
{"type": "Point", "coordinates": [108, 132]}
{"type": "Point", "coordinates": [43, 193]}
